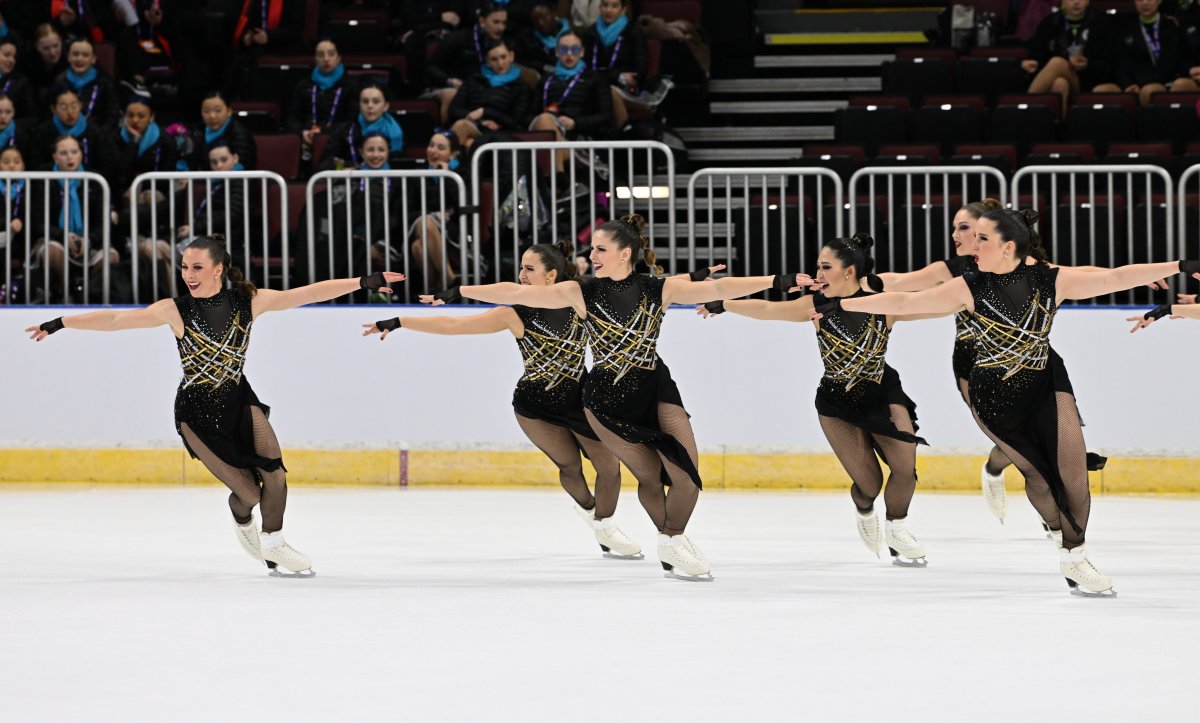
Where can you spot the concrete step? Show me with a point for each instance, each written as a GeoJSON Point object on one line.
{"type": "Point", "coordinates": [743, 155]}
{"type": "Point", "coordinates": [855, 60]}
{"type": "Point", "coordinates": [748, 134]}
{"type": "Point", "coordinates": [795, 85]}
{"type": "Point", "coordinates": [889, 37]}
{"type": "Point", "coordinates": [776, 106]}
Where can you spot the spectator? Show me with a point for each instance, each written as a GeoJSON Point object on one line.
{"type": "Point", "coordinates": [324, 99]}
{"type": "Point", "coordinates": [261, 26]}
{"type": "Point", "coordinates": [461, 54]}
{"type": "Point", "coordinates": [345, 139]}
{"type": "Point", "coordinates": [574, 101]}
{"type": "Point", "coordinates": [1150, 52]}
{"type": "Point", "coordinates": [536, 44]}
{"type": "Point", "coordinates": [13, 133]}
{"type": "Point", "coordinates": [48, 65]}
{"type": "Point", "coordinates": [93, 86]}
{"type": "Point", "coordinates": [223, 208]}
{"type": "Point", "coordinates": [492, 99]}
{"type": "Point", "coordinates": [1188, 17]}
{"type": "Point", "coordinates": [432, 233]}
{"type": "Point", "coordinates": [154, 53]}
{"type": "Point", "coordinates": [219, 126]}
{"type": "Point", "coordinates": [12, 83]}
{"type": "Point", "coordinates": [422, 22]}
{"type": "Point", "coordinates": [617, 51]}
{"type": "Point", "coordinates": [142, 147]}
{"type": "Point", "coordinates": [91, 19]}
{"type": "Point", "coordinates": [1070, 52]}
{"type": "Point", "coordinates": [14, 198]}
{"type": "Point", "coordinates": [67, 119]}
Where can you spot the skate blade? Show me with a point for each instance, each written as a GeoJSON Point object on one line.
{"type": "Point", "coordinates": [1080, 592]}
{"type": "Point", "coordinates": [614, 556]}
{"type": "Point", "coordinates": [900, 561]}
{"type": "Point", "coordinates": [672, 575]}
{"type": "Point", "coordinates": [302, 574]}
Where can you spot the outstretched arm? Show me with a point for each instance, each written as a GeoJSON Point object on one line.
{"type": "Point", "coordinates": [791, 310]}
{"type": "Point", "coordinates": [678, 290]}
{"type": "Point", "coordinates": [147, 317]}
{"type": "Point", "coordinates": [501, 318]}
{"type": "Point", "coordinates": [268, 300]}
{"type": "Point", "coordinates": [553, 296]}
{"type": "Point", "coordinates": [1175, 311]}
{"type": "Point", "coordinates": [943, 299]}
{"type": "Point", "coordinates": [1078, 284]}
{"type": "Point", "coordinates": [927, 278]}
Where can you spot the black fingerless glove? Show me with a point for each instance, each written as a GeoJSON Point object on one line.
{"type": "Point", "coordinates": [1189, 267]}
{"type": "Point", "coordinates": [372, 282]}
{"type": "Point", "coordinates": [715, 307]}
{"type": "Point", "coordinates": [1157, 312]}
{"type": "Point", "coordinates": [699, 274]}
{"type": "Point", "coordinates": [51, 326]}
{"type": "Point", "coordinates": [829, 307]}
{"type": "Point", "coordinates": [784, 282]}
{"type": "Point", "coordinates": [874, 283]}
{"type": "Point", "coordinates": [449, 296]}
{"type": "Point", "coordinates": [391, 324]}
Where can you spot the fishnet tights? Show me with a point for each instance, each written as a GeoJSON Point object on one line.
{"type": "Point", "coordinates": [1072, 468]}
{"type": "Point", "coordinates": [249, 487]}
{"type": "Point", "coordinates": [997, 460]}
{"type": "Point", "coordinates": [855, 449]}
{"type": "Point", "coordinates": [562, 447]}
{"type": "Point", "coordinates": [668, 510]}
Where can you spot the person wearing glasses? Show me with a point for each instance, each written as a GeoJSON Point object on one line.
{"type": "Point", "coordinates": [572, 101]}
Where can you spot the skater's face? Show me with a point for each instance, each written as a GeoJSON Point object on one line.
{"type": "Point", "coordinates": [1147, 8]}
{"type": "Point", "coordinates": [201, 273]}
{"type": "Point", "coordinates": [11, 161]}
{"type": "Point", "coordinates": [68, 155]}
{"type": "Point", "coordinates": [992, 253]}
{"type": "Point", "coordinates": [66, 108]}
{"type": "Point", "coordinates": [375, 152]}
{"type": "Point", "coordinates": [372, 104]}
{"type": "Point", "coordinates": [138, 117]}
{"type": "Point", "coordinates": [8, 57]}
{"type": "Point", "coordinates": [610, 10]}
{"type": "Point", "coordinates": [608, 259]}
{"type": "Point", "coordinates": [534, 272]}
{"type": "Point", "coordinates": [81, 57]}
{"type": "Point", "coordinates": [327, 56]}
{"type": "Point", "coordinates": [6, 112]}
{"type": "Point", "coordinates": [570, 50]}
{"type": "Point", "coordinates": [494, 23]}
{"type": "Point", "coordinates": [214, 111]}
{"type": "Point", "coordinates": [835, 278]}
{"type": "Point", "coordinates": [438, 153]}
{"type": "Point", "coordinates": [500, 59]}
{"type": "Point", "coordinates": [963, 233]}
{"type": "Point", "coordinates": [222, 159]}
{"type": "Point", "coordinates": [50, 48]}
{"type": "Point", "coordinates": [1075, 8]}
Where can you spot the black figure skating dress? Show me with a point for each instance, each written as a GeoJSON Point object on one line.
{"type": "Point", "coordinates": [963, 358]}
{"type": "Point", "coordinates": [553, 349]}
{"type": "Point", "coordinates": [628, 381]}
{"type": "Point", "coordinates": [858, 387]}
{"type": "Point", "coordinates": [214, 398]}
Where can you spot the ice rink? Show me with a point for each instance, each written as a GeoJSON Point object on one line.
{"type": "Point", "coordinates": [137, 604]}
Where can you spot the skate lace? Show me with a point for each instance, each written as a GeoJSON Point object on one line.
{"type": "Point", "coordinates": [1085, 568]}
{"type": "Point", "coordinates": [903, 536]}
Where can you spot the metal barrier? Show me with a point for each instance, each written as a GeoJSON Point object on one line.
{"type": "Point", "coordinates": [905, 232]}
{"type": "Point", "coordinates": [227, 189]}
{"type": "Point", "coordinates": [34, 228]}
{"type": "Point", "coordinates": [783, 197]}
{"type": "Point", "coordinates": [1188, 245]}
{"type": "Point", "coordinates": [1102, 215]}
{"type": "Point", "coordinates": [401, 210]}
{"type": "Point", "coordinates": [515, 199]}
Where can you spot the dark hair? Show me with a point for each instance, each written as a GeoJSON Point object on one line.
{"type": "Point", "coordinates": [1017, 226]}
{"type": "Point", "coordinates": [59, 91]}
{"type": "Point", "coordinates": [326, 39]}
{"type": "Point", "coordinates": [628, 232]}
{"type": "Point", "coordinates": [218, 94]}
{"type": "Point", "coordinates": [4, 96]}
{"type": "Point", "coordinates": [853, 252]}
{"type": "Point", "coordinates": [451, 137]}
{"type": "Point", "coordinates": [140, 99]}
{"type": "Point", "coordinates": [368, 136]}
{"type": "Point", "coordinates": [496, 43]}
{"type": "Point", "coordinates": [372, 84]}
{"type": "Point", "coordinates": [492, 7]}
{"type": "Point", "coordinates": [558, 256]}
{"type": "Point", "coordinates": [977, 208]}
{"type": "Point", "coordinates": [65, 137]}
{"type": "Point", "coordinates": [81, 39]}
{"type": "Point", "coordinates": [6, 149]}
{"type": "Point", "coordinates": [569, 31]}
{"type": "Point", "coordinates": [8, 40]}
{"type": "Point", "coordinates": [214, 244]}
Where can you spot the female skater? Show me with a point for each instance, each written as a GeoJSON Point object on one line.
{"type": "Point", "coordinates": [862, 408]}
{"type": "Point", "coordinates": [221, 421]}
{"type": "Point", "coordinates": [628, 396]}
{"type": "Point", "coordinates": [1018, 386]}
{"type": "Point", "coordinates": [1175, 311]}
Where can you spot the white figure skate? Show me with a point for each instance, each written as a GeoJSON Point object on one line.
{"type": "Point", "coordinates": [614, 543]}
{"type": "Point", "coordinates": [278, 554]}
{"type": "Point", "coordinates": [680, 561]}
{"type": "Point", "coordinates": [868, 530]}
{"type": "Point", "coordinates": [906, 551]}
{"type": "Point", "coordinates": [1082, 576]}
{"type": "Point", "coordinates": [247, 535]}
{"type": "Point", "coordinates": [994, 493]}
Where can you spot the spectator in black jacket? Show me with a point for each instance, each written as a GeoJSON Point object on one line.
{"type": "Point", "coordinates": [49, 62]}
{"type": "Point", "coordinates": [460, 54]}
{"type": "Point", "coordinates": [222, 208]}
{"type": "Point", "coordinates": [1150, 51]}
{"type": "Point", "coordinates": [536, 44]}
{"type": "Point", "coordinates": [616, 49]}
{"type": "Point", "coordinates": [322, 100]}
{"type": "Point", "coordinates": [424, 21]}
{"type": "Point", "coordinates": [13, 133]}
{"type": "Point", "coordinates": [91, 19]}
{"type": "Point", "coordinates": [493, 99]}
{"type": "Point", "coordinates": [345, 139]}
{"type": "Point", "coordinates": [67, 119]}
{"type": "Point", "coordinates": [1070, 52]}
{"type": "Point", "coordinates": [574, 101]}
{"type": "Point", "coordinates": [438, 228]}
{"type": "Point", "coordinates": [262, 26]}
{"type": "Point", "coordinates": [1188, 17]}
{"type": "Point", "coordinates": [154, 51]}
{"type": "Point", "coordinates": [93, 86]}
{"type": "Point", "coordinates": [14, 198]}
{"type": "Point", "coordinates": [142, 147]}
{"type": "Point", "coordinates": [219, 125]}
{"type": "Point", "coordinates": [12, 83]}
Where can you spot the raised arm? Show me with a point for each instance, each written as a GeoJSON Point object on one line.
{"type": "Point", "coordinates": [943, 299]}
{"type": "Point", "coordinates": [927, 278]}
{"type": "Point", "coordinates": [1078, 284]}
{"type": "Point", "coordinates": [501, 318]}
{"type": "Point", "coordinates": [791, 310]}
{"type": "Point", "coordinates": [147, 317]}
{"type": "Point", "coordinates": [1175, 311]}
{"type": "Point", "coordinates": [268, 300]}
{"type": "Point", "coordinates": [678, 290]}
{"type": "Point", "coordinates": [566, 294]}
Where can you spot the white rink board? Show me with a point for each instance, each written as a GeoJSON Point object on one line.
{"type": "Point", "coordinates": [749, 385]}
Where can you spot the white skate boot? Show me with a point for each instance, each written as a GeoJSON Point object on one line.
{"type": "Point", "coordinates": [906, 551]}
{"type": "Point", "coordinates": [679, 559]}
{"type": "Point", "coordinates": [868, 530]}
{"type": "Point", "coordinates": [277, 553]}
{"type": "Point", "coordinates": [994, 493]}
{"type": "Point", "coordinates": [614, 543]}
{"type": "Point", "coordinates": [247, 534]}
{"type": "Point", "coordinates": [1082, 576]}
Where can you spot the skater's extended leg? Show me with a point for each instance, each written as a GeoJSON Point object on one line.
{"type": "Point", "coordinates": [242, 483]}
{"type": "Point", "coordinates": [608, 475]}
{"type": "Point", "coordinates": [1037, 489]}
{"type": "Point", "coordinates": [559, 445]}
{"type": "Point", "coordinates": [997, 460]}
{"type": "Point", "coordinates": [274, 482]}
{"type": "Point", "coordinates": [1072, 468]}
{"type": "Point", "coordinates": [853, 448]}
{"type": "Point", "coordinates": [645, 465]}
{"type": "Point", "coordinates": [901, 459]}
{"type": "Point", "coordinates": [683, 495]}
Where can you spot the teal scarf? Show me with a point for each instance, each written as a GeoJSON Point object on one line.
{"type": "Point", "coordinates": [79, 82]}
{"type": "Point", "coordinates": [551, 41]}
{"type": "Point", "coordinates": [565, 73]}
{"type": "Point", "coordinates": [149, 138]}
{"type": "Point", "coordinates": [210, 134]}
{"type": "Point", "coordinates": [71, 188]}
{"type": "Point", "coordinates": [388, 126]}
{"type": "Point", "coordinates": [609, 33]}
{"type": "Point", "coordinates": [325, 81]}
{"type": "Point", "coordinates": [496, 79]}
{"type": "Point", "coordinates": [75, 130]}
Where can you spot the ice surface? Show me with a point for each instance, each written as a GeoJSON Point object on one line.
{"type": "Point", "coordinates": [470, 605]}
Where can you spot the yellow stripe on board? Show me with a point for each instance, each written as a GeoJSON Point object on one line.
{"type": "Point", "coordinates": [843, 38]}
{"type": "Point", "coordinates": [1123, 475]}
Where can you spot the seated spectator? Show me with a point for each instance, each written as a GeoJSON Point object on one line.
{"type": "Point", "coordinates": [575, 101]}
{"type": "Point", "coordinates": [536, 44]}
{"type": "Point", "coordinates": [12, 83]}
{"type": "Point", "coordinates": [77, 218]}
{"type": "Point", "coordinates": [1149, 53]}
{"type": "Point", "coordinates": [1071, 52]}
{"type": "Point", "coordinates": [322, 100]}
{"type": "Point", "coordinates": [421, 22]}
{"type": "Point", "coordinates": [616, 49]}
{"type": "Point", "coordinates": [13, 133]}
{"type": "Point", "coordinates": [142, 147]}
{"type": "Point", "coordinates": [153, 51]}
{"type": "Point", "coordinates": [15, 198]}
{"type": "Point", "coordinates": [219, 126]}
{"type": "Point", "coordinates": [91, 84]}
{"type": "Point", "coordinates": [67, 119]}
{"type": "Point", "coordinates": [1188, 17]}
{"type": "Point", "coordinates": [460, 54]}
{"type": "Point", "coordinates": [91, 19]}
{"type": "Point", "coordinates": [223, 208]}
{"type": "Point", "coordinates": [493, 99]}
{"type": "Point", "coordinates": [50, 62]}
{"type": "Point", "coordinates": [261, 26]}
{"type": "Point", "coordinates": [437, 230]}
{"type": "Point", "coordinates": [345, 139]}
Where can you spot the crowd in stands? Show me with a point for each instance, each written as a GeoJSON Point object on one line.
{"type": "Point", "coordinates": [125, 87]}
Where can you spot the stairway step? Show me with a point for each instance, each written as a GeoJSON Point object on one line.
{"type": "Point", "coordinates": [891, 37]}
{"type": "Point", "coordinates": [849, 60]}
{"type": "Point", "coordinates": [747, 155]}
{"type": "Point", "coordinates": [756, 134]}
{"type": "Point", "coordinates": [795, 85]}
{"type": "Point", "coordinates": [777, 106]}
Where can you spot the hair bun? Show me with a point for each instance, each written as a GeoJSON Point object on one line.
{"type": "Point", "coordinates": [863, 240]}
{"type": "Point", "coordinates": [1031, 216]}
{"type": "Point", "coordinates": [991, 204]}
{"type": "Point", "coordinates": [634, 221]}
